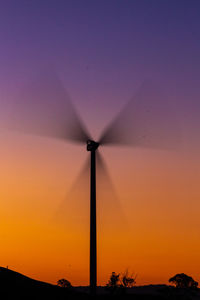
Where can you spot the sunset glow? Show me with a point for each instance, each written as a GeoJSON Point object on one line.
{"type": "Point", "coordinates": [148, 221]}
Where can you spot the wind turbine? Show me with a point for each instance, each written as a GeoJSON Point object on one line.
{"type": "Point", "coordinates": [44, 109]}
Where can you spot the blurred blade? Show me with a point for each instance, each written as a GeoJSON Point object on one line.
{"type": "Point", "coordinates": [110, 212]}
{"type": "Point", "coordinates": [74, 209]}
{"type": "Point", "coordinates": [147, 120]}
{"type": "Point", "coordinates": [44, 109]}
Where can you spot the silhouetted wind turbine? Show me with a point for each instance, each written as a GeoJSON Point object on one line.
{"type": "Point", "coordinates": [44, 109]}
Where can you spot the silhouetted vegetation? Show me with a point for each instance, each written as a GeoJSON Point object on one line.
{"type": "Point", "coordinates": [64, 283]}
{"type": "Point", "coordinates": [117, 283]}
{"type": "Point", "coordinates": [120, 286]}
{"type": "Point", "coordinates": [113, 282]}
{"type": "Point", "coordinates": [127, 280]}
{"type": "Point", "coordinates": [183, 281]}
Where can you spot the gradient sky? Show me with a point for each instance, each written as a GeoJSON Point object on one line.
{"type": "Point", "coordinates": [103, 51]}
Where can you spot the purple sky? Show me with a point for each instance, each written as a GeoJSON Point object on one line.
{"type": "Point", "coordinates": [103, 49]}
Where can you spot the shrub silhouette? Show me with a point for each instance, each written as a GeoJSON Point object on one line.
{"type": "Point", "coordinates": [64, 283]}
{"type": "Point", "coordinates": [183, 281]}
{"type": "Point", "coordinates": [113, 282]}
{"type": "Point", "coordinates": [127, 280]}
{"type": "Point", "coordinates": [118, 282]}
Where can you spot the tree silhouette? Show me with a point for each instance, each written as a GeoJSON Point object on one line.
{"type": "Point", "coordinates": [64, 283]}
{"type": "Point", "coordinates": [113, 282]}
{"type": "Point", "coordinates": [127, 280]}
{"type": "Point", "coordinates": [183, 281]}
{"type": "Point", "coordinates": [119, 282]}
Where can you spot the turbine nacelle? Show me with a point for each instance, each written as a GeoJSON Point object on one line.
{"type": "Point", "coordinates": [92, 145]}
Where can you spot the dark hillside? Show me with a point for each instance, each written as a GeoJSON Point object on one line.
{"type": "Point", "coordinates": [14, 285]}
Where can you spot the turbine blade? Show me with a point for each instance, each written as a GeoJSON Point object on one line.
{"type": "Point", "coordinates": [108, 203]}
{"type": "Point", "coordinates": [75, 207]}
{"type": "Point", "coordinates": [44, 108]}
{"type": "Point", "coordinates": [147, 120]}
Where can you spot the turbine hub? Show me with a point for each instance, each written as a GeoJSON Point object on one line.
{"type": "Point", "coordinates": [92, 145]}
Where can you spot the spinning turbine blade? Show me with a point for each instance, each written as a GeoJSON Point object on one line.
{"type": "Point", "coordinates": [75, 206]}
{"type": "Point", "coordinates": [109, 203]}
{"type": "Point", "coordinates": [44, 109]}
{"type": "Point", "coordinates": [148, 120]}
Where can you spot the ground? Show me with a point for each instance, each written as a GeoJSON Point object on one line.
{"type": "Point", "coordinates": [14, 285]}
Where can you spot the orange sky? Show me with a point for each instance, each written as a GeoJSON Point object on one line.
{"type": "Point", "coordinates": [103, 51]}
{"type": "Point", "coordinates": [151, 229]}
